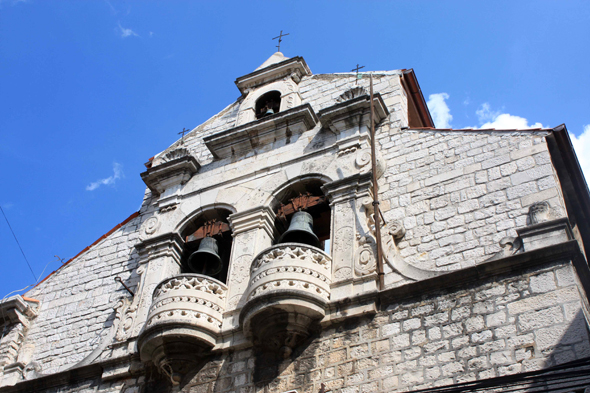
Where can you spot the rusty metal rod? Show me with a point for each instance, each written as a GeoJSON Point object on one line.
{"type": "Point", "coordinates": [126, 287]}
{"type": "Point", "coordinates": [377, 211]}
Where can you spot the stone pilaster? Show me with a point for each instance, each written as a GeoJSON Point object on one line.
{"type": "Point", "coordinates": [348, 197]}
{"type": "Point", "coordinates": [253, 231]}
{"type": "Point", "coordinates": [159, 259]}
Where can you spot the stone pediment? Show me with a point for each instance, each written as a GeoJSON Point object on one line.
{"type": "Point", "coordinates": [295, 67]}
{"type": "Point", "coordinates": [336, 118]}
{"type": "Point", "coordinates": [265, 132]}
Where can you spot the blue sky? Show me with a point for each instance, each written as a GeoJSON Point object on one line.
{"type": "Point", "coordinates": [91, 89]}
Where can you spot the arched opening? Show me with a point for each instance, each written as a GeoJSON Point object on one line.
{"type": "Point", "coordinates": [268, 104]}
{"type": "Point", "coordinates": [303, 196]}
{"type": "Point", "coordinates": [202, 254]}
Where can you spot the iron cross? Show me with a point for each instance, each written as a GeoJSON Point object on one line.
{"type": "Point", "coordinates": [280, 37]}
{"type": "Point", "coordinates": [184, 131]}
{"type": "Point", "coordinates": [357, 72]}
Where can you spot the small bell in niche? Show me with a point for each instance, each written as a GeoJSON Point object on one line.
{"type": "Point", "coordinates": [206, 259]}
{"type": "Point", "coordinates": [301, 230]}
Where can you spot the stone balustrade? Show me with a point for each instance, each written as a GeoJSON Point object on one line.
{"type": "Point", "coordinates": [183, 323]}
{"type": "Point", "coordinates": [288, 291]}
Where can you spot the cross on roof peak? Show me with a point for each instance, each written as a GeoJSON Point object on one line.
{"type": "Point", "coordinates": [357, 72]}
{"type": "Point", "coordinates": [280, 37]}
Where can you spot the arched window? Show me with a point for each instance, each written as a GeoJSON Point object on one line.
{"type": "Point", "coordinates": [268, 104]}
{"type": "Point", "coordinates": [208, 242]}
{"type": "Point", "coordinates": [308, 197]}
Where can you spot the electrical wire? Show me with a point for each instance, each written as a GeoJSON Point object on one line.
{"type": "Point", "coordinates": [17, 242]}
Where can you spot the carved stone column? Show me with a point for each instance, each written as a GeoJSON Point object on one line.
{"type": "Point", "coordinates": [351, 242]}
{"type": "Point", "coordinates": [159, 258]}
{"type": "Point", "coordinates": [16, 314]}
{"type": "Point", "coordinates": [253, 231]}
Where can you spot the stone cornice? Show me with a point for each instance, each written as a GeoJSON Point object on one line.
{"type": "Point", "coordinates": [295, 67]}
{"type": "Point", "coordinates": [263, 132]}
{"type": "Point", "coordinates": [334, 117]}
{"type": "Point", "coordinates": [350, 187]}
{"type": "Point", "coordinates": [170, 173]}
{"type": "Point", "coordinates": [259, 217]}
{"type": "Point", "coordinates": [169, 244]}
{"type": "Point", "coordinates": [16, 310]}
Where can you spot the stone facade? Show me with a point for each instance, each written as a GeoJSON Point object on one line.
{"type": "Point", "coordinates": [485, 274]}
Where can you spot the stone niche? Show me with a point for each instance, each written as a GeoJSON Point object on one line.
{"type": "Point", "coordinates": [288, 292]}
{"type": "Point", "coordinates": [183, 323]}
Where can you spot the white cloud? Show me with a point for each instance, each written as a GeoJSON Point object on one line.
{"type": "Point", "coordinates": [126, 32]}
{"type": "Point", "coordinates": [109, 181]}
{"type": "Point", "coordinates": [441, 114]}
{"type": "Point", "coordinates": [498, 120]}
{"type": "Point", "coordinates": [582, 147]}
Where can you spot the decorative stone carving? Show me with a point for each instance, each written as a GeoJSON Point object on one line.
{"type": "Point", "coordinates": [151, 226]}
{"type": "Point", "coordinates": [364, 261]}
{"type": "Point", "coordinates": [540, 212]}
{"type": "Point", "coordinates": [183, 323]}
{"type": "Point", "coordinates": [172, 155]}
{"type": "Point", "coordinates": [288, 291]}
{"type": "Point", "coordinates": [363, 158]}
{"type": "Point", "coordinates": [352, 93]}
{"type": "Point", "coordinates": [32, 371]}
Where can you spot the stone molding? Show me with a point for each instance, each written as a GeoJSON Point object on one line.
{"type": "Point", "coordinates": [257, 218]}
{"type": "Point", "coordinates": [261, 133]}
{"type": "Point", "coordinates": [294, 67]}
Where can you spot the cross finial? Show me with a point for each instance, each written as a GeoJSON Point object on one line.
{"type": "Point", "coordinates": [184, 131]}
{"type": "Point", "coordinates": [280, 37]}
{"type": "Point", "coordinates": [357, 72]}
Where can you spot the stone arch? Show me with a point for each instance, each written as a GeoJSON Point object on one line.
{"type": "Point", "coordinates": [197, 226]}
{"type": "Point", "coordinates": [302, 188]}
{"type": "Point", "coordinates": [290, 98]}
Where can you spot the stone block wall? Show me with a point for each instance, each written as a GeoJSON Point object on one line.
{"type": "Point", "coordinates": [507, 325]}
{"type": "Point", "coordinates": [77, 301]}
{"type": "Point", "coordinates": [458, 193]}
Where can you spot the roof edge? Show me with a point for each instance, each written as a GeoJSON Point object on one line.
{"type": "Point", "coordinates": [413, 90]}
{"type": "Point", "coordinates": [131, 217]}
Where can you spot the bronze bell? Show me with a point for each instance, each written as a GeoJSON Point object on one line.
{"type": "Point", "coordinates": [206, 259]}
{"type": "Point", "coordinates": [269, 111]}
{"type": "Point", "coordinates": [301, 230]}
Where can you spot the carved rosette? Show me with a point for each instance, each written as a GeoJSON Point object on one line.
{"type": "Point", "coordinates": [183, 322]}
{"type": "Point", "coordinates": [288, 291]}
